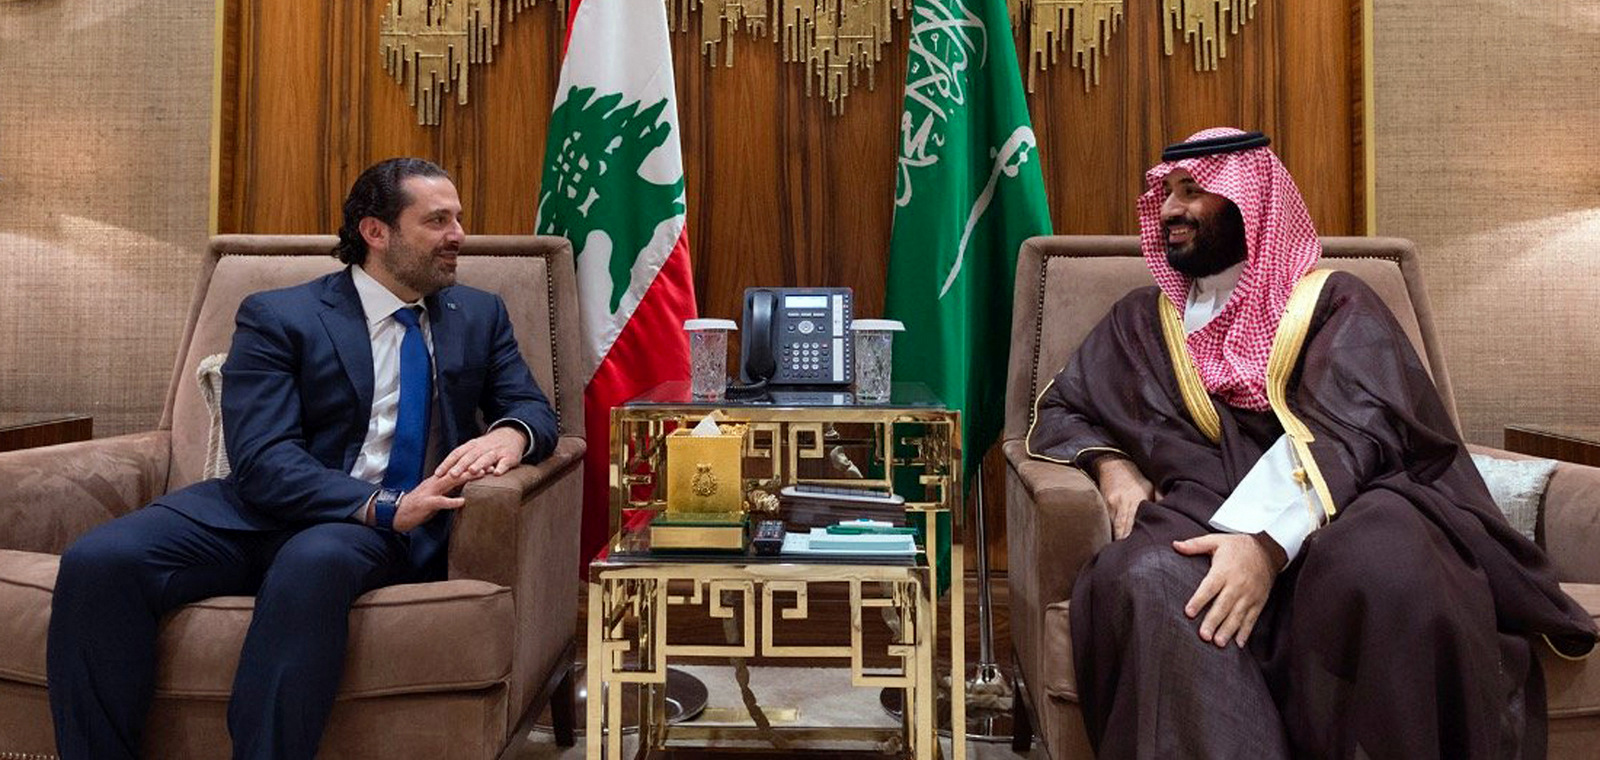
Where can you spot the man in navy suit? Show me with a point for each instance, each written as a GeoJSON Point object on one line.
{"type": "Point", "coordinates": [350, 405]}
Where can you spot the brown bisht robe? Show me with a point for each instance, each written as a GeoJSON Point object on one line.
{"type": "Point", "coordinates": [1404, 628]}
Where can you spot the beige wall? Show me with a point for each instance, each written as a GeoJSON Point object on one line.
{"type": "Point", "coordinates": [105, 127]}
{"type": "Point", "coordinates": [1488, 155]}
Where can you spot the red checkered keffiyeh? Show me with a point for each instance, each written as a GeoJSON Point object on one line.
{"type": "Point", "coordinates": [1231, 350]}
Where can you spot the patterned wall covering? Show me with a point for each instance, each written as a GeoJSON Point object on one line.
{"type": "Point", "coordinates": [1486, 157]}
{"type": "Point", "coordinates": [104, 178]}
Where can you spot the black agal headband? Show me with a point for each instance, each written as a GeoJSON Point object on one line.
{"type": "Point", "coordinates": [1215, 145]}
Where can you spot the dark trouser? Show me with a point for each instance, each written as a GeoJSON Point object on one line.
{"type": "Point", "coordinates": [1379, 641]}
{"type": "Point", "coordinates": [118, 580]}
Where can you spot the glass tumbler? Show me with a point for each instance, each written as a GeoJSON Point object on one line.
{"type": "Point", "coordinates": [874, 357]}
{"type": "Point", "coordinates": [708, 357]}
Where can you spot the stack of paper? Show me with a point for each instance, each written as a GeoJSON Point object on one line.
{"type": "Point", "coordinates": [820, 541]}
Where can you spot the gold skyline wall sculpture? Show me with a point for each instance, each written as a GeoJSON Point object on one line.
{"type": "Point", "coordinates": [835, 39]}
{"type": "Point", "coordinates": [1088, 24]}
{"type": "Point", "coordinates": [427, 46]}
{"type": "Point", "coordinates": [1201, 22]}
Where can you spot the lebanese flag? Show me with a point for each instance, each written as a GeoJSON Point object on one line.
{"type": "Point", "coordinates": [613, 185]}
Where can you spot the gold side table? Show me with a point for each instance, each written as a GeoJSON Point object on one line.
{"type": "Point", "coordinates": [910, 444]}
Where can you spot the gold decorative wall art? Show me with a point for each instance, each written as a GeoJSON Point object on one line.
{"type": "Point", "coordinates": [1201, 22]}
{"type": "Point", "coordinates": [835, 39]}
{"type": "Point", "coordinates": [1088, 24]}
{"type": "Point", "coordinates": [427, 45]}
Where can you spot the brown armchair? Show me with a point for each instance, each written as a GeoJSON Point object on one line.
{"type": "Point", "coordinates": [1056, 520]}
{"type": "Point", "coordinates": [476, 653]}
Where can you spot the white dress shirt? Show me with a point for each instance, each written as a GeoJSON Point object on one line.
{"type": "Point", "coordinates": [1269, 499]}
{"type": "Point", "coordinates": [379, 304]}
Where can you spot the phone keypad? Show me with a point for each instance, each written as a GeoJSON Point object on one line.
{"type": "Point", "coordinates": [809, 359]}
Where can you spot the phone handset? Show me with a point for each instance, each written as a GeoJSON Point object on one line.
{"type": "Point", "coordinates": [760, 333]}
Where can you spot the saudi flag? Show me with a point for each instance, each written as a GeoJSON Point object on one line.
{"type": "Point", "coordinates": [613, 185]}
{"type": "Point", "coordinates": [969, 192]}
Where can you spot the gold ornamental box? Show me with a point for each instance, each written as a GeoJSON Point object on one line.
{"type": "Point", "coordinates": [704, 472]}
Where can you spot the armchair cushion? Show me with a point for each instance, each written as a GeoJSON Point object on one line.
{"type": "Point", "coordinates": [410, 638]}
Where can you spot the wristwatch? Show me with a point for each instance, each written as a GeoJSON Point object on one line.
{"type": "Point", "coordinates": [384, 507]}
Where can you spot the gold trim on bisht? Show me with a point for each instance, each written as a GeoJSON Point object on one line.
{"type": "Point", "coordinates": [1563, 655]}
{"type": "Point", "coordinates": [1193, 389]}
{"type": "Point", "coordinates": [1285, 354]}
{"type": "Point", "coordinates": [1286, 346]}
{"type": "Point", "coordinates": [1027, 440]}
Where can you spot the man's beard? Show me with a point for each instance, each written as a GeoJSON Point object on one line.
{"type": "Point", "coordinates": [419, 270]}
{"type": "Point", "coordinates": [1218, 243]}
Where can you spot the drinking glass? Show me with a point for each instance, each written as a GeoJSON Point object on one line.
{"type": "Point", "coordinates": [874, 357]}
{"type": "Point", "coordinates": [708, 357]}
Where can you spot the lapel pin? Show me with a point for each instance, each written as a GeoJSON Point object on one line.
{"type": "Point", "coordinates": [451, 304]}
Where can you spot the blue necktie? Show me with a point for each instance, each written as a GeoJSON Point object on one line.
{"type": "Point", "coordinates": [411, 423]}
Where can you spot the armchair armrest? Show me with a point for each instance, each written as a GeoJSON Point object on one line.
{"type": "Point", "coordinates": [508, 515]}
{"type": "Point", "coordinates": [1572, 522]}
{"type": "Point", "coordinates": [54, 494]}
{"type": "Point", "coordinates": [1569, 520]}
{"type": "Point", "coordinates": [521, 530]}
{"type": "Point", "coordinates": [1055, 522]}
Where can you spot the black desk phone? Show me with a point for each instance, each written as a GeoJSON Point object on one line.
{"type": "Point", "coordinates": [797, 336]}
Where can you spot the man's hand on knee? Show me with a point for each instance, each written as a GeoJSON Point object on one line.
{"type": "Point", "coordinates": [493, 453]}
{"type": "Point", "coordinates": [1236, 587]}
{"type": "Point", "coordinates": [1124, 489]}
{"type": "Point", "coordinates": [430, 496]}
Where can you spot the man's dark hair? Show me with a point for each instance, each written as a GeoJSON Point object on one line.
{"type": "Point", "coordinates": [377, 193]}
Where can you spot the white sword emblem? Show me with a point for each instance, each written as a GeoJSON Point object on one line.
{"type": "Point", "coordinates": [1007, 160]}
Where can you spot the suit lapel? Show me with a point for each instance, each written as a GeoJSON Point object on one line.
{"type": "Point", "coordinates": [346, 324]}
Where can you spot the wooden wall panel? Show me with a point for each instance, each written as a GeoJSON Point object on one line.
{"type": "Point", "coordinates": [780, 190]}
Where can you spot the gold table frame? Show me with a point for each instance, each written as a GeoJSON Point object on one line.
{"type": "Point", "coordinates": [630, 596]}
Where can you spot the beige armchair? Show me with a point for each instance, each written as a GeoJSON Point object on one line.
{"type": "Point", "coordinates": [477, 653]}
{"type": "Point", "coordinates": [1056, 520]}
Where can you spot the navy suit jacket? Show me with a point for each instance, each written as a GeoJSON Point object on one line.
{"type": "Point", "coordinates": [297, 397]}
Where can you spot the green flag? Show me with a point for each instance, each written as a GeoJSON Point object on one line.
{"type": "Point", "coordinates": [969, 192]}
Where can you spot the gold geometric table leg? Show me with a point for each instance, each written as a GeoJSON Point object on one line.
{"type": "Point", "coordinates": [927, 691]}
{"type": "Point", "coordinates": [958, 652]}
{"type": "Point", "coordinates": [594, 721]}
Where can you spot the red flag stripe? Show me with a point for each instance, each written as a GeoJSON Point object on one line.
{"type": "Point", "coordinates": [651, 349]}
{"type": "Point", "coordinates": [572, 14]}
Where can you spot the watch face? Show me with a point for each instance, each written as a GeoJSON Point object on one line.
{"type": "Point", "coordinates": [385, 506]}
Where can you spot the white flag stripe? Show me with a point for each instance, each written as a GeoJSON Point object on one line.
{"type": "Point", "coordinates": [604, 51]}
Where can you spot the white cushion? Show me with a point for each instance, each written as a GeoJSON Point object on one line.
{"type": "Point", "coordinates": [1517, 486]}
{"type": "Point", "coordinates": [210, 376]}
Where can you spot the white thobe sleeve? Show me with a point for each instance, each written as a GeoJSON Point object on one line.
{"type": "Point", "coordinates": [1272, 500]}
